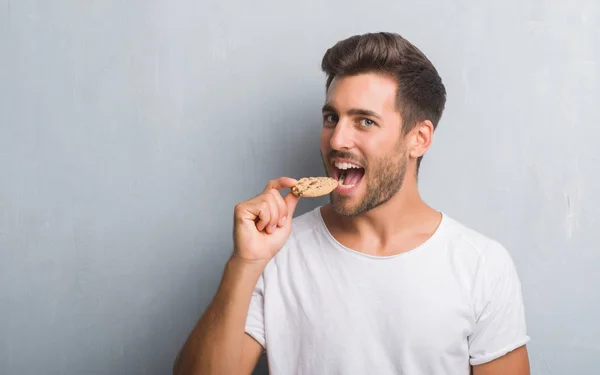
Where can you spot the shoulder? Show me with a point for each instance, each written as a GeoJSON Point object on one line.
{"type": "Point", "coordinates": [469, 243]}
{"type": "Point", "coordinates": [489, 269]}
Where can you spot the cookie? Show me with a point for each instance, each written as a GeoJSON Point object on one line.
{"type": "Point", "coordinates": [314, 186]}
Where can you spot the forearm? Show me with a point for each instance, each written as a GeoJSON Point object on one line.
{"type": "Point", "coordinates": [215, 344]}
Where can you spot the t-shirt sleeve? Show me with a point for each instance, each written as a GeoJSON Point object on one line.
{"type": "Point", "coordinates": [500, 317]}
{"type": "Point", "coordinates": [255, 320]}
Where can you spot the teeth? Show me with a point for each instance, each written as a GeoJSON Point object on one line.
{"type": "Point", "coordinates": [346, 165]}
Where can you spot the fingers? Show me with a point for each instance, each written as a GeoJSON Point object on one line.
{"type": "Point", "coordinates": [281, 183]}
{"type": "Point", "coordinates": [270, 210]}
{"type": "Point", "coordinates": [287, 205]}
{"type": "Point", "coordinates": [291, 201]}
{"type": "Point", "coordinates": [262, 212]}
{"type": "Point", "coordinates": [274, 207]}
{"type": "Point", "coordinates": [282, 208]}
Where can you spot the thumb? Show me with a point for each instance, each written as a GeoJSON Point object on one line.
{"type": "Point", "coordinates": [291, 202]}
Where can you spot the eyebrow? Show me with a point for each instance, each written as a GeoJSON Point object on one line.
{"type": "Point", "coordinates": [353, 111]}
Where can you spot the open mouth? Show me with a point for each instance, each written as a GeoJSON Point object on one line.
{"type": "Point", "coordinates": [348, 175]}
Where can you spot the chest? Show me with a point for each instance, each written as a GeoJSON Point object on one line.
{"type": "Point", "coordinates": [382, 309]}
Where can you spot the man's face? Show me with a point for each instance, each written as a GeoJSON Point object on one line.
{"type": "Point", "coordinates": [361, 142]}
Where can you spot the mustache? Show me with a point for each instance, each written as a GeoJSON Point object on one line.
{"type": "Point", "coordinates": [346, 155]}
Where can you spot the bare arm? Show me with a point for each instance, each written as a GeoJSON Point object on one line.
{"type": "Point", "coordinates": [513, 363]}
{"type": "Point", "coordinates": [218, 343]}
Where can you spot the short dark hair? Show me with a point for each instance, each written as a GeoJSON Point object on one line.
{"type": "Point", "coordinates": [421, 93]}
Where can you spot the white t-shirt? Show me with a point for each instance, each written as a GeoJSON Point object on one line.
{"type": "Point", "coordinates": [322, 308]}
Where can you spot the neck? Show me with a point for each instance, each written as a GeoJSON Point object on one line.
{"type": "Point", "coordinates": [404, 216]}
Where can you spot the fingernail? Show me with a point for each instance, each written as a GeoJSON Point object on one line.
{"type": "Point", "coordinates": [283, 219]}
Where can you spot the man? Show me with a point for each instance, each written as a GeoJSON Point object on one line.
{"type": "Point", "coordinates": [376, 281]}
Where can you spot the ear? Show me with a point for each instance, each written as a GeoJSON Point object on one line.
{"type": "Point", "coordinates": [420, 138]}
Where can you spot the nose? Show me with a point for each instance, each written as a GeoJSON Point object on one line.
{"type": "Point", "coordinates": [341, 139]}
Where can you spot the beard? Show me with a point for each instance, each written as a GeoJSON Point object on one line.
{"type": "Point", "coordinates": [383, 178]}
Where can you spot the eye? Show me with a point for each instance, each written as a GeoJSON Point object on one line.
{"type": "Point", "coordinates": [366, 122]}
{"type": "Point", "coordinates": [329, 120]}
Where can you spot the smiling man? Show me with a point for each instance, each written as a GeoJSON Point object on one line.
{"type": "Point", "coordinates": [376, 281]}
